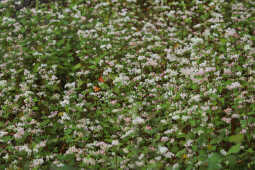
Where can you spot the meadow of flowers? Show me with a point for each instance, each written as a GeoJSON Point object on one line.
{"type": "Point", "coordinates": [127, 84]}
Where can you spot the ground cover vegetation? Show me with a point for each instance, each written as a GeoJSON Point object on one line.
{"type": "Point", "coordinates": [127, 84]}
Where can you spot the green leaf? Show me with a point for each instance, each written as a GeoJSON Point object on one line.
{"type": "Point", "coordinates": [236, 138]}
{"type": "Point", "coordinates": [234, 149]}
{"type": "Point", "coordinates": [250, 150]}
{"type": "Point", "coordinates": [214, 161]}
{"type": "Point", "coordinates": [93, 67]}
{"type": "Point", "coordinates": [77, 67]}
{"type": "Point", "coordinates": [180, 153]}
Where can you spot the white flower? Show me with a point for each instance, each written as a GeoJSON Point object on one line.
{"type": "Point", "coordinates": [138, 120]}
{"type": "Point", "coordinates": [200, 72]}
{"type": "Point", "coordinates": [70, 85]}
{"type": "Point", "coordinates": [227, 71]}
{"type": "Point", "coordinates": [123, 79]}
{"type": "Point", "coordinates": [116, 110]}
{"type": "Point", "coordinates": [20, 133]}
{"type": "Point", "coordinates": [139, 163]}
{"type": "Point", "coordinates": [141, 156]}
{"type": "Point", "coordinates": [169, 155]}
{"type": "Point", "coordinates": [3, 83]}
{"type": "Point", "coordinates": [3, 133]}
{"type": "Point", "coordinates": [128, 133]}
{"type": "Point", "coordinates": [37, 162]}
{"type": "Point", "coordinates": [188, 143]}
{"type": "Point", "coordinates": [162, 149]}
{"type": "Point", "coordinates": [163, 121]}
{"type": "Point", "coordinates": [230, 32]}
{"type": "Point", "coordinates": [247, 47]}
{"type": "Point", "coordinates": [164, 139]}
{"type": "Point", "coordinates": [65, 117]}
{"type": "Point", "coordinates": [235, 116]}
{"type": "Point", "coordinates": [223, 152]}
{"type": "Point", "coordinates": [89, 161]}
{"type": "Point", "coordinates": [196, 41]}
{"type": "Point", "coordinates": [195, 98]}
{"type": "Point", "coordinates": [158, 158]}
{"type": "Point", "coordinates": [64, 102]}
{"type": "Point", "coordinates": [6, 156]}
{"type": "Point", "coordinates": [176, 117]}
{"type": "Point", "coordinates": [176, 166]}
{"type": "Point", "coordinates": [234, 85]}
{"type": "Point", "coordinates": [71, 150]}
{"type": "Point", "coordinates": [115, 142]}
{"type": "Point", "coordinates": [210, 69]}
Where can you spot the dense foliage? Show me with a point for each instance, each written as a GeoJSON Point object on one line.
{"type": "Point", "coordinates": [126, 84]}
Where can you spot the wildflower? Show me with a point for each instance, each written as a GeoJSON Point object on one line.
{"type": "Point", "coordinates": [223, 152]}
{"type": "Point", "coordinates": [37, 162]}
{"type": "Point", "coordinates": [185, 156]}
{"type": "Point", "coordinates": [138, 120]}
{"type": "Point", "coordinates": [100, 79]}
{"type": "Point", "coordinates": [227, 120]}
{"type": "Point", "coordinates": [141, 156]}
{"type": "Point", "coordinates": [115, 142]}
{"type": "Point", "coordinates": [195, 98]}
{"type": "Point", "coordinates": [65, 117]}
{"type": "Point", "coordinates": [89, 161]}
{"type": "Point", "coordinates": [234, 85]}
{"type": "Point", "coordinates": [228, 111]}
{"type": "Point", "coordinates": [227, 71]}
{"type": "Point", "coordinates": [162, 149]}
{"type": "Point", "coordinates": [96, 89]}
{"type": "Point", "coordinates": [169, 155]}
{"type": "Point", "coordinates": [164, 139]}
{"type": "Point", "coordinates": [3, 83]}
{"type": "Point", "coordinates": [148, 128]}
{"type": "Point", "coordinates": [3, 133]}
{"type": "Point", "coordinates": [176, 117]}
{"type": "Point", "coordinates": [189, 142]}
{"type": "Point", "coordinates": [20, 133]}
{"type": "Point", "coordinates": [128, 133]}
{"type": "Point", "coordinates": [200, 72]}
{"type": "Point", "coordinates": [6, 156]}
{"type": "Point", "coordinates": [176, 166]}
{"type": "Point", "coordinates": [235, 116]}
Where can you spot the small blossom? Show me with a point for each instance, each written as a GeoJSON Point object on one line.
{"type": "Point", "coordinates": [115, 142]}
{"type": "Point", "coordinates": [234, 85]}
{"type": "Point", "coordinates": [169, 155]}
{"type": "Point", "coordinates": [89, 161]}
{"type": "Point", "coordinates": [162, 149]}
{"type": "Point", "coordinates": [164, 139]}
{"type": "Point", "coordinates": [138, 120]}
{"type": "Point", "coordinates": [223, 152]}
{"type": "Point", "coordinates": [20, 133]}
{"type": "Point", "coordinates": [148, 128]}
{"type": "Point", "coordinates": [37, 162]}
{"type": "Point", "coordinates": [228, 111]}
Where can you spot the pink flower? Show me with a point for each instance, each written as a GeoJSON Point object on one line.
{"type": "Point", "coordinates": [148, 128]}
{"type": "Point", "coordinates": [152, 148]}
{"type": "Point", "coordinates": [200, 72]}
{"type": "Point", "coordinates": [127, 119]}
{"type": "Point", "coordinates": [214, 108]}
{"type": "Point", "coordinates": [164, 139]}
{"type": "Point", "coordinates": [228, 111]}
{"type": "Point", "coordinates": [20, 133]}
{"type": "Point", "coordinates": [113, 101]}
{"type": "Point", "coordinates": [227, 71]}
{"type": "Point", "coordinates": [227, 120]}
